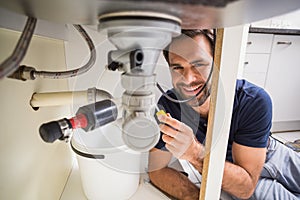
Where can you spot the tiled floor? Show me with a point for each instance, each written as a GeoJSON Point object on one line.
{"type": "Point", "coordinates": [287, 136]}
{"type": "Point", "coordinates": [73, 189]}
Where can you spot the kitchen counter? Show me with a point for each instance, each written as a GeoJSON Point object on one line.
{"type": "Point", "coordinates": [279, 31]}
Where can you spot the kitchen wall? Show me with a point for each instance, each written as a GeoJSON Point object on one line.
{"type": "Point", "coordinates": [288, 21]}
{"type": "Point", "coordinates": [29, 168]}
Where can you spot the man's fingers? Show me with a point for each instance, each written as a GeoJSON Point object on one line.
{"type": "Point", "coordinates": [167, 139]}
{"type": "Point", "coordinates": [168, 130]}
{"type": "Point", "coordinates": [172, 122]}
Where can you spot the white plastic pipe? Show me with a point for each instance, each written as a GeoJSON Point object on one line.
{"type": "Point", "coordinates": [58, 98]}
{"type": "Point", "coordinates": [69, 97]}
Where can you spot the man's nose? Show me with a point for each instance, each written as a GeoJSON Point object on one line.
{"type": "Point", "coordinates": [190, 76]}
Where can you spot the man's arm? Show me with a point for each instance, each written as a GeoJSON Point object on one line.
{"type": "Point", "coordinates": [239, 179]}
{"type": "Point", "coordinates": [170, 180]}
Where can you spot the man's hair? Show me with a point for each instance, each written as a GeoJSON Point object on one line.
{"type": "Point", "coordinates": [209, 35]}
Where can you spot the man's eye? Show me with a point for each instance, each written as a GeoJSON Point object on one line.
{"type": "Point", "coordinates": [198, 64]}
{"type": "Point", "coordinates": [177, 68]}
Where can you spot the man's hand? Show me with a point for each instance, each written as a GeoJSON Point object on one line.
{"type": "Point", "coordinates": [180, 139]}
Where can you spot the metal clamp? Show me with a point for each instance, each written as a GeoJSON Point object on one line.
{"type": "Point", "coordinates": [67, 131]}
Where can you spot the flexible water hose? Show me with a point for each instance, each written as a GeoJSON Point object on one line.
{"type": "Point", "coordinates": [74, 72]}
{"type": "Point", "coordinates": [12, 63]}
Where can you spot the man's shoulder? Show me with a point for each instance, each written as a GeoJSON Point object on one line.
{"type": "Point", "coordinates": [252, 115]}
{"type": "Point", "coordinates": [252, 102]}
{"type": "Point", "coordinates": [244, 85]}
{"type": "Point", "coordinates": [248, 91]}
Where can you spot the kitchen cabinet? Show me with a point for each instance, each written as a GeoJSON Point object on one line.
{"type": "Point", "coordinates": [272, 62]}
{"type": "Point", "coordinates": [257, 58]}
{"type": "Point", "coordinates": [283, 77]}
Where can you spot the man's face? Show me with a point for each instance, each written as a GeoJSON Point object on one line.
{"type": "Point", "coordinates": [190, 63]}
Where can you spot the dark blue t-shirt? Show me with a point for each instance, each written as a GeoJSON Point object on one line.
{"type": "Point", "coordinates": [250, 123]}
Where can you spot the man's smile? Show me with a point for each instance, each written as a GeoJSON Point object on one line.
{"type": "Point", "coordinates": [191, 90]}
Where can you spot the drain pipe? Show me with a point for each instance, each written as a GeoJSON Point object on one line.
{"type": "Point", "coordinates": [68, 97]}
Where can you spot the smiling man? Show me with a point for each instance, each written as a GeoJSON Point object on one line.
{"type": "Point", "coordinates": [253, 160]}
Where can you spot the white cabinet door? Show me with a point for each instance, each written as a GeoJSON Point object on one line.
{"type": "Point", "coordinates": [256, 63]}
{"type": "Point", "coordinates": [283, 77]}
{"type": "Point", "coordinates": [255, 68]}
{"type": "Point", "coordinates": [259, 43]}
{"type": "Point", "coordinates": [257, 58]}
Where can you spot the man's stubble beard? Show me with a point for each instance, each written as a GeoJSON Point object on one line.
{"type": "Point", "coordinates": [199, 100]}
